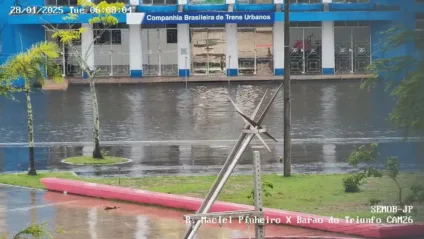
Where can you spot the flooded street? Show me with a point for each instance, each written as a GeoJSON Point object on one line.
{"type": "Point", "coordinates": [167, 129]}
{"type": "Point", "coordinates": [69, 217]}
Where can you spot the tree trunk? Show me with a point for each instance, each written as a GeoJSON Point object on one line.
{"type": "Point", "coordinates": [97, 154]}
{"type": "Point", "coordinates": [31, 169]}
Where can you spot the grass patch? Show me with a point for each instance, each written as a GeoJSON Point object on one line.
{"type": "Point", "coordinates": [316, 194]}
{"type": "Point", "coordinates": [88, 160]}
{"type": "Point", "coordinates": [25, 180]}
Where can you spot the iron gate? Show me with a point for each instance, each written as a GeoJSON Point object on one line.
{"type": "Point", "coordinates": [111, 51]}
{"type": "Point", "coordinates": [352, 49]}
{"type": "Point", "coordinates": [255, 51]}
{"type": "Point", "coordinates": [305, 53]}
{"type": "Point", "coordinates": [208, 51]}
{"type": "Point", "coordinates": [160, 55]}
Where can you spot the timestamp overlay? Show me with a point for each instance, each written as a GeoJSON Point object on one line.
{"type": "Point", "coordinates": [14, 10]}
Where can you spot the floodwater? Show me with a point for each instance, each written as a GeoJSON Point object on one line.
{"type": "Point", "coordinates": [70, 216]}
{"type": "Point", "coordinates": [168, 129]}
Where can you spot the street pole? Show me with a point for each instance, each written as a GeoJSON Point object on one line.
{"type": "Point", "coordinates": [287, 104]}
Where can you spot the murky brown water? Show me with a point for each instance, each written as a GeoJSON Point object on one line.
{"type": "Point", "coordinates": [85, 218]}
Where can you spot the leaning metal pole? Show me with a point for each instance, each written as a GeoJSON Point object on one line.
{"type": "Point", "coordinates": [229, 166]}
{"type": "Point", "coordinates": [287, 104]}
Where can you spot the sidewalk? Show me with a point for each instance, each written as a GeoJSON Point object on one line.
{"type": "Point", "coordinates": [50, 85]}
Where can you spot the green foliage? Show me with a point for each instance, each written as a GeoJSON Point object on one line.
{"type": "Point", "coordinates": [408, 112]}
{"type": "Point", "coordinates": [417, 195]}
{"type": "Point", "coordinates": [364, 154]}
{"type": "Point", "coordinates": [392, 166]}
{"type": "Point", "coordinates": [34, 231]}
{"type": "Point", "coordinates": [374, 201]}
{"type": "Point", "coordinates": [104, 152]}
{"type": "Point", "coordinates": [351, 183]}
{"type": "Point", "coordinates": [266, 188]}
{"type": "Point", "coordinates": [30, 65]}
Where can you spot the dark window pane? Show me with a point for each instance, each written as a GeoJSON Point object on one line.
{"type": "Point", "coordinates": [171, 36]}
{"type": "Point", "coordinates": [116, 36]}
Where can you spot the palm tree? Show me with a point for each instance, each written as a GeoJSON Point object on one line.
{"type": "Point", "coordinates": [31, 66]}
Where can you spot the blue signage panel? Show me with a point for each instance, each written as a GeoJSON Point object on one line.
{"type": "Point", "coordinates": [208, 18]}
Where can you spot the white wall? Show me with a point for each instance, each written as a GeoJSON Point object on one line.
{"type": "Point", "coordinates": [328, 51]}
{"type": "Point", "coordinates": [278, 45]}
{"type": "Point", "coordinates": [231, 41]}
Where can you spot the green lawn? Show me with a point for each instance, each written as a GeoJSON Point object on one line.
{"type": "Point", "coordinates": [88, 160]}
{"type": "Point", "coordinates": [317, 194]}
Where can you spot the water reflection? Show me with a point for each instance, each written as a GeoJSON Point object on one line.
{"type": "Point", "coordinates": [82, 217]}
{"type": "Point", "coordinates": [170, 112]}
{"type": "Point", "coordinates": [198, 159]}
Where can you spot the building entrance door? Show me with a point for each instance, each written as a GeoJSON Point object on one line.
{"type": "Point", "coordinates": [305, 50]}
{"type": "Point", "coordinates": [160, 56]}
{"type": "Point", "coordinates": [111, 51]}
{"type": "Point", "coordinates": [352, 49]}
{"type": "Point", "coordinates": [255, 50]}
{"type": "Point", "coordinates": [208, 51]}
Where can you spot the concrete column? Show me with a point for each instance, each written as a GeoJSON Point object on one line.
{"type": "Point", "coordinates": [232, 50]}
{"type": "Point", "coordinates": [87, 47]}
{"type": "Point", "coordinates": [184, 50]}
{"type": "Point", "coordinates": [278, 48]}
{"type": "Point", "coordinates": [136, 60]}
{"type": "Point", "coordinates": [328, 48]}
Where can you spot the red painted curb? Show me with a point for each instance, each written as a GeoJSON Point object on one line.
{"type": "Point", "coordinates": [192, 204]}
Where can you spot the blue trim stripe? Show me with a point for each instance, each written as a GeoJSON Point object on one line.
{"type": "Point", "coordinates": [183, 72]}
{"type": "Point", "coordinates": [328, 71]}
{"type": "Point", "coordinates": [279, 71]}
{"type": "Point", "coordinates": [136, 73]}
{"type": "Point", "coordinates": [232, 72]}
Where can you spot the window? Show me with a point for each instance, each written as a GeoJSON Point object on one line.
{"type": "Point", "coordinates": [159, 2]}
{"type": "Point", "coordinates": [206, 2]}
{"type": "Point", "coordinates": [171, 36]}
{"type": "Point", "coordinates": [351, 1]}
{"type": "Point", "coordinates": [61, 2]}
{"type": "Point", "coordinates": [108, 37]}
{"type": "Point", "coordinates": [112, 35]}
{"type": "Point", "coordinates": [305, 24]}
{"type": "Point", "coordinates": [351, 23]}
{"type": "Point", "coordinates": [305, 1]}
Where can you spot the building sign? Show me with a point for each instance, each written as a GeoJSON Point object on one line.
{"type": "Point", "coordinates": [208, 18]}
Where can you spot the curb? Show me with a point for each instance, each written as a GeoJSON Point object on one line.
{"type": "Point", "coordinates": [128, 161]}
{"type": "Point", "coordinates": [193, 204]}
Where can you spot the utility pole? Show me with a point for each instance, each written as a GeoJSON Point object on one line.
{"type": "Point", "coordinates": [287, 103]}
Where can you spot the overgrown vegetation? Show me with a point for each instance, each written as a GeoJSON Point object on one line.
{"type": "Point", "coordinates": [403, 76]}
{"type": "Point", "coordinates": [368, 154]}
{"type": "Point", "coordinates": [365, 154]}
{"type": "Point", "coordinates": [37, 231]}
{"type": "Point", "coordinates": [266, 190]}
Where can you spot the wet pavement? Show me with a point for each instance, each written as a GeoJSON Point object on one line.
{"type": "Point", "coordinates": [70, 216]}
{"type": "Point", "coordinates": [167, 129]}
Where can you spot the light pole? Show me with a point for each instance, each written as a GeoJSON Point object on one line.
{"type": "Point", "coordinates": [287, 104]}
